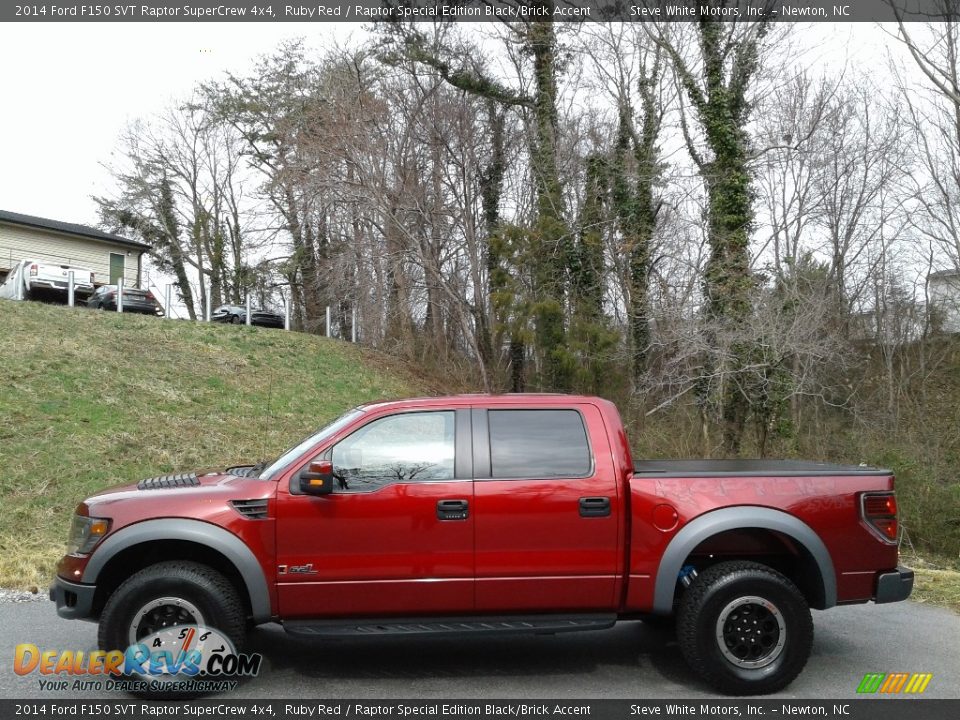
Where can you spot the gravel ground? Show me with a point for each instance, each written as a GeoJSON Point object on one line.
{"type": "Point", "coordinates": [19, 596]}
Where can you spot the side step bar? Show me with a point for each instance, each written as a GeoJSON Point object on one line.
{"type": "Point", "coordinates": [452, 626]}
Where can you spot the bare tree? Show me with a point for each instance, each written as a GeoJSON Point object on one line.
{"type": "Point", "coordinates": [633, 70]}
{"type": "Point", "coordinates": [461, 66]}
{"type": "Point", "coordinates": [278, 110]}
{"type": "Point", "coordinates": [934, 117]}
{"type": "Point", "coordinates": [182, 188]}
{"type": "Point", "coordinates": [862, 159]}
{"type": "Point", "coordinates": [790, 135]}
{"type": "Point", "coordinates": [715, 63]}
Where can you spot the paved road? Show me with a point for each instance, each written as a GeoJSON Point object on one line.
{"type": "Point", "coordinates": [630, 661]}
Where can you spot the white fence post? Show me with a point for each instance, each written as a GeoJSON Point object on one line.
{"type": "Point", "coordinates": [70, 289]}
{"type": "Point", "coordinates": [328, 321]}
{"type": "Point", "coordinates": [286, 313]}
{"type": "Point", "coordinates": [120, 295]}
{"type": "Point", "coordinates": [353, 326]}
{"type": "Point", "coordinates": [166, 308]}
{"type": "Point", "coordinates": [206, 314]}
{"type": "Point", "coordinates": [248, 309]}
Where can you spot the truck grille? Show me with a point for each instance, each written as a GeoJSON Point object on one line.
{"type": "Point", "coordinates": [253, 509]}
{"type": "Point", "coordinates": [164, 482]}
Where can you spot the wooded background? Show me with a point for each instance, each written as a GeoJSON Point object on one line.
{"type": "Point", "coordinates": [699, 221]}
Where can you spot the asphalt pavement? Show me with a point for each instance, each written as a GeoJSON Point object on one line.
{"type": "Point", "coordinates": [630, 661]}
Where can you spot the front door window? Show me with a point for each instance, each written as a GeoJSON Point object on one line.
{"type": "Point", "coordinates": [412, 447]}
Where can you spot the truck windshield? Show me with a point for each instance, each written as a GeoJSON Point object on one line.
{"type": "Point", "coordinates": [301, 447]}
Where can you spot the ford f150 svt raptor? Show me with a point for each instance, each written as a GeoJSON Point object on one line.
{"type": "Point", "coordinates": [473, 514]}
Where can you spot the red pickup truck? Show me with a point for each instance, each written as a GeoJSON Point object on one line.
{"type": "Point", "coordinates": [492, 514]}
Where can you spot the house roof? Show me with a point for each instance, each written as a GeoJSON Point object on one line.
{"type": "Point", "coordinates": [943, 274]}
{"type": "Point", "coordinates": [69, 228]}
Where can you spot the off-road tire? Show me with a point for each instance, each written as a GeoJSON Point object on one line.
{"type": "Point", "coordinates": [717, 591]}
{"type": "Point", "coordinates": [199, 585]}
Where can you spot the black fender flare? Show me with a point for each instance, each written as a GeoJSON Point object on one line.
{"type": "Point", "coordinates": [736, 518]}
{"type": "Point", "coordinates": [202, 533]}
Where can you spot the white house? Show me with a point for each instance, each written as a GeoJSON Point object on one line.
{"type": "Point", "coordinates": [109, 256]}
{"type": "Point", "coordinates": [944, 292]}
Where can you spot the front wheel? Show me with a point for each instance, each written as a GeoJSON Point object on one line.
{"type": "Point", "coordinates": [745, 628]}
{"type": "Point", "coordinates": [168, 595]}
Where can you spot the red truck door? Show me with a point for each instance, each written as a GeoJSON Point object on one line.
{"type": "Point", "coordinates": [396, 535]}
{"type": "Point", "coordinates": [547, 510]}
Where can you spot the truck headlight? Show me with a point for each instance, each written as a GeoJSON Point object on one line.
{"type": "Point", "coordinates": [85, 533]}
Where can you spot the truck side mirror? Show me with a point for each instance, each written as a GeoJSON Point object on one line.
{"type": "Point", "coordinates": [317, 479]}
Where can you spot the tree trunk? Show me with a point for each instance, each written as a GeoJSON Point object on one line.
{"type": "Point", "coordinates": [551, 236]}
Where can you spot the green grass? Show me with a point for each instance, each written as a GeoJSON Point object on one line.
{"type": "Point", "coordinates": [937, 580]}
{"type": "Point", "coordinates": [938, 587]}
{"type": "Point", "coordinates": [89, 400]}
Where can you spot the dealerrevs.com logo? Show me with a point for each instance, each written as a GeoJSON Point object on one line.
{"type": "Point", "coordinates": [181, 658]}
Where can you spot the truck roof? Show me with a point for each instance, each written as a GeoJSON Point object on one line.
{"type": "Point", "coordinates": [750, 468]}
{"type": "Point", "coordinates": [487, 398]}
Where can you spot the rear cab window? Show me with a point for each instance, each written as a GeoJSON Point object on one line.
{"type": "Point", "coordinates": [548, 443]}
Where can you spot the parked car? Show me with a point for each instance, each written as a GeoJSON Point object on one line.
{"type": "Point", "coordinates": [36, 280]}
{"type": "Point", "coordinates": [492, 514]}
{"type": "Point", "coordinates": [237, 314]}
{"type": "Point", "coordinates": [135, 300]}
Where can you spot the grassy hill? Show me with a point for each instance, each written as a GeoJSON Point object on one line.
{"type": "Point", "coordinates": [91, 399]}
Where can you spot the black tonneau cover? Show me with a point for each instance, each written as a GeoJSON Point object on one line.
{"type": "Point", "coordinates": [749, 468]}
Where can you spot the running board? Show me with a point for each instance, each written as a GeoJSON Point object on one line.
{"type": "Point", "coordinates": [454, 626]}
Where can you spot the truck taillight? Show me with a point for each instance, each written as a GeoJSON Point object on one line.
{"type": "Point", "coordinates": [34, 270]}
{"type": "Point", "coordinates": [879, 512]}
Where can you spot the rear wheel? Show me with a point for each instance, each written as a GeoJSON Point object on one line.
{"type": "Point", "coordinates": [235, 319]}
{"type": "Point", "coordinates": [745, 628]}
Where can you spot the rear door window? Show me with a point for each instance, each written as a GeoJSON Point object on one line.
{"type": "Point", "coordinates": [538, 444]}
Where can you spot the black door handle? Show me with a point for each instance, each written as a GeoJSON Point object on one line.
{"type": "Point", "coordinates": [594, 507]}
{"type": "Point", "coordinates": [453, 510]}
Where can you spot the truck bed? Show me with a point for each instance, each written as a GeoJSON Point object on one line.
{"type": "Point", "coordinates": [750, 468]}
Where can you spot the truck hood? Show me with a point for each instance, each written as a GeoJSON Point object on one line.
{"type": "Point", "coordinates": [180, 494]}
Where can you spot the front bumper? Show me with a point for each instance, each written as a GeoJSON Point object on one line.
{"type": "Point", "coordinates": [74, 601]}
{"type": "Point", "coordinates": [894, 586]}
